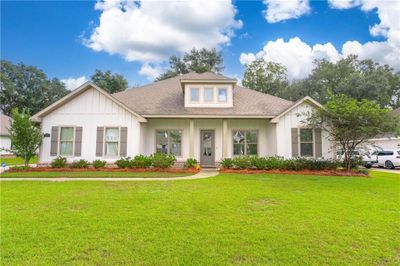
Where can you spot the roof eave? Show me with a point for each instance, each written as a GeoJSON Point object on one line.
{"type": "Point", "coordinates": [306, 99]}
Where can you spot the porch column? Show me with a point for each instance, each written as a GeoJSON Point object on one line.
{"type": "Point", "coordinates": [191, 138]}
{"type": "Point", "coordinates": [225, 138]}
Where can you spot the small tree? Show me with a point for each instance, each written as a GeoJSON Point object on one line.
{"type": "Point", "coordinates": [350, 123]}
{"type": "Point", "coordinates": [25, 137]}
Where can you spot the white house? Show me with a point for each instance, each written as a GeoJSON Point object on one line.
{"type": "Point", "coordinates": [386, 141]}
{"type": "Point", "coordinates": [204, 116]}
{"type": "Point", "coordinates": [5, 141]}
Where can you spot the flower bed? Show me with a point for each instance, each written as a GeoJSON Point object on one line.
{"type": "Point", "coordinates": [104, 169]}
{"type": "Point", "coordinates": [291, 172]}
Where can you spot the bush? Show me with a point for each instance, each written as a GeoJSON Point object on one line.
{"type": "Point", "coordinates": [80, 164]}
{"type": "Point", "coordinates": [98, 163]}
{"type": "Point", "coordinates": [227, 163]}
{"type": "Point", "coordinates": [242, 162]}
{"type": "Point", "coordinates": [162, 160]}
{"type": "Point", "coordinates": [191, 163]}
{"type": "Point", "coordinates": [59, 162]}
{"type": "Point", "coordinates": [123, 162]}
{"type": "Point", "coordinates": [20, 168]}
{"type": "Point", "coordinates": [140, 161]}
{"type": "Point", "coordinates": [259, 163]}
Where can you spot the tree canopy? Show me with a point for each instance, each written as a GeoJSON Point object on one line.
{"type": "Point", "coordinates": [351, 123]}
{"type": "Point", "coordinates": [200, 61]}
{"type": "Point", "coordinates": [25, 137]}
{"type": "Point", "coordinates": [360, 79]}
{"type": "Point", "coordinates": [109, 82]}
{"type": "Point", "coordinates": [27, 87]}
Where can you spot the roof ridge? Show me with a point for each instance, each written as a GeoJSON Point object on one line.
{"type": "Point", "coordinates": [264, 94]}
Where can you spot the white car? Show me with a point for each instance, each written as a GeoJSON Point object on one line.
{"type": "Point", "coordinates": [389, 158]}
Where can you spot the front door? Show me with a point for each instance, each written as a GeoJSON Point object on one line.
{"type": "Point", "coordinates": [207, 148]}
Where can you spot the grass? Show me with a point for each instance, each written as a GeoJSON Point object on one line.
{"type": "Point", "coordinates": [228, 219]}
{"type": "Point", "coordinates": [91, 174]}
{"type": "Point", "coordinates": [17, 160]}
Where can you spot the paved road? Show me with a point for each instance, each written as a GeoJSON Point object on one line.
{"type": "Point", "coordinates": [392, 171]}
{"type": "Point", "coordinates": [200, 175]}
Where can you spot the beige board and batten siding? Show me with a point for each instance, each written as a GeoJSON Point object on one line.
{"type": "Point", "coordinates": [90, 110]}
{"type": "Point", "coordinates": [293, 119]}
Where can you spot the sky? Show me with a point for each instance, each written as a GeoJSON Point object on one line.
{"type": "Point", "coordinates": [70, 39]}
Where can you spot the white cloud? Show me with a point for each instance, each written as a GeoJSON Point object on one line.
{"type": "Point", "coordinates": [247, 58]}
{"type": "Point", "coordinates": [151, 72]}
{"type": "Point", "coordinates": [278, 10]}
{"type": "Point", "coordinates": [343, 4]}
{"type": "Point", "coordinates": [151, 31]}
{"type": "Point", "coordinates": [73, 83]}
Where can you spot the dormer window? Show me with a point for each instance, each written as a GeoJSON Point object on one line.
{"type": "Point", "coordinates": [222, 95]}
{"type": "Point", "coordinates": [208, 95]}
{"type": "Point", "coordinates": [194, 95]}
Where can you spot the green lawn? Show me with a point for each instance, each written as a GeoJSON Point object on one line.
{"type": "Point", "coordinates": [17, 160]}
{"type": "Point", "coordinates": [91, 174]}
{"type": "Point", "coordinates": [228, 219]}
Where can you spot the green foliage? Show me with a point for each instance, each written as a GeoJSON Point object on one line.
{"type": "Point", "coordinates": [25, 137]}
{"type": "Point", "coordinates": [199, 61]}
{"type": "Point", "coordinates": [99, 164]}
{"type": "Point", "coordinates": [242, 162]}
{"type": "Point", "coordinates": [351, 123]}
{"type": "Point", "coordinates": [227, 163]}
{"type": "Point", "coordinates": [59, 162]}
{"type": "Point", "coordinates": [19, 168]}
{"type": "Point", "coordinates": [162, 160]}
{"type": "Point", "coordinates": [141, 161]}
{"type": "Point", "coordinates": [27, 87]}
{"type": "Point", "coordinates": [79, 164]}
{"type": "Point", "coordinates": [123, 162]}
{"type": "Point", "coordinates": [109, 82]}
{"type": "Point", "coordinates": [191, 163]}
{"type": "Point", "coordinates": [266, 77]}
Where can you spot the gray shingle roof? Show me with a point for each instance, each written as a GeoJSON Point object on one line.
{"type": "Point", "coordinates": [166, 98]}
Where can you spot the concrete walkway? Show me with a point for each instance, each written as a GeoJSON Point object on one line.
{"type": "Point", "coordinates": [202, 174]}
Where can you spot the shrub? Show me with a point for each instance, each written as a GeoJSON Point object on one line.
{"type": "Point", "coordinates": [242, 162]}
{"type": "Point", "coordinates": [20, 168]}
{"type": "Point", "coordinates": [80, 164]}
{"type": "Point", "coordinates": [123, 162]}
{"type": "Point", "coordinates": [274, 163]}
{"type": "Point", "coordinates": [259, 163]}
{"type": "Point", "coordinates": [140, 161]}
{"type": "Point", "coordinates": [98, 163]}
{"type": "Point", "coordinates": [162, 160]}
{"type": "Point", "coordinates": [59, 162]}
{"type": "Point", "coordinates": [191, 163]}
{"type": "Point", "coordinates": [227, 163]}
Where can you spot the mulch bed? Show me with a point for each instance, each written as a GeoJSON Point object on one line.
{"type": "Point", "coordinates": [302, 172]}
{"type": "Point", "coordinates": [105, 169]}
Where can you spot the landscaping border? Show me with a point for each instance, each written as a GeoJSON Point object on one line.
{"type": "Point", "coordinates": [104, 169]}
{"type": "Point", "coordinates": [300, 172]}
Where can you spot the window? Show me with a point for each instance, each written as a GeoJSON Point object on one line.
{"type": "Point", "coordinates": [245, 142]}
{"type": "Point", "coordinates": [66, 141]}
{"type": "Point", "coordinates": [194, 94]}
{"type": "Point", "coordinates": [169, 141]}
{"type": "Point", "coordinates": [208, 95]}
{"type": "Point", "coordinates": [306, 142]}
{"type": "Point", "coordinates": [112, 141]}
{"type": "Point", "coordinates": [222, 95]}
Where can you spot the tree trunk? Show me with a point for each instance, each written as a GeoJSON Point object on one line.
{"type": "Point", "coordinates": [26, 161]}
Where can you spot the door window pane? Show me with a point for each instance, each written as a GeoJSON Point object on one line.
{"type": "Point", "coordinates": [208, 95]}
{"type": "Point", "coordinates": [194, 94]}
{"type": "Point", "coordinates": [222, 95]}
{"type": "Point", "coordinates": [112, 142]}
{"type": "Point", "coordinates": [66, 141]}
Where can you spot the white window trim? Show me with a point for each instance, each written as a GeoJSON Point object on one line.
{"type": "Point", "coordinates": [313, 142]}
{"type": "Point", "coordinates": [104, 142]}
{"type": "Point", "coordinates": [168, 150]}
{"type": "Point", "coordinates": [245, 142]}
{"type": "Point", "coordinates": [59, 141]}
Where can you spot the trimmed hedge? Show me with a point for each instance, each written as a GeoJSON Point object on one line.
{"type": "Point", "coordinates": [59, 162]}
{"type": "Point", "coordinates": [79, 164]}
{"type": "Point", "coordinates": [278, 163]}
{"type": "Point", "coordinates": [157, 160]}
{"type": "Point", "coordinates": [99, 163]}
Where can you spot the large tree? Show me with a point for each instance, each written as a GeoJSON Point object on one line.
{"type": "Point", "coordinates": [28, 87]}
{"type": "Point", "coordinates": [25, 137]}
{"type": "Point", "coordinates": [112, 83]}
{"type": "Point", "coordinates": [351, 123]}
{"type": "Point", "coordinates": [199, 61]}
{"type": "Point", "coordinates": [267, 77]}
{"type": "Point", "coordinates": [360, 79]}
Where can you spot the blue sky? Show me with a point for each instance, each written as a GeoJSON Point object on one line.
{"type": "Point", "coordinates": [57, 36]}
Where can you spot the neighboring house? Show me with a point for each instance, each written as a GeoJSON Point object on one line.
{"type": "Point", "coordinates": [5, 141]}
{"type": "Point", "coordinates": [204, 116]}
{"type": "Point", "coordinates": [386, 141]}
